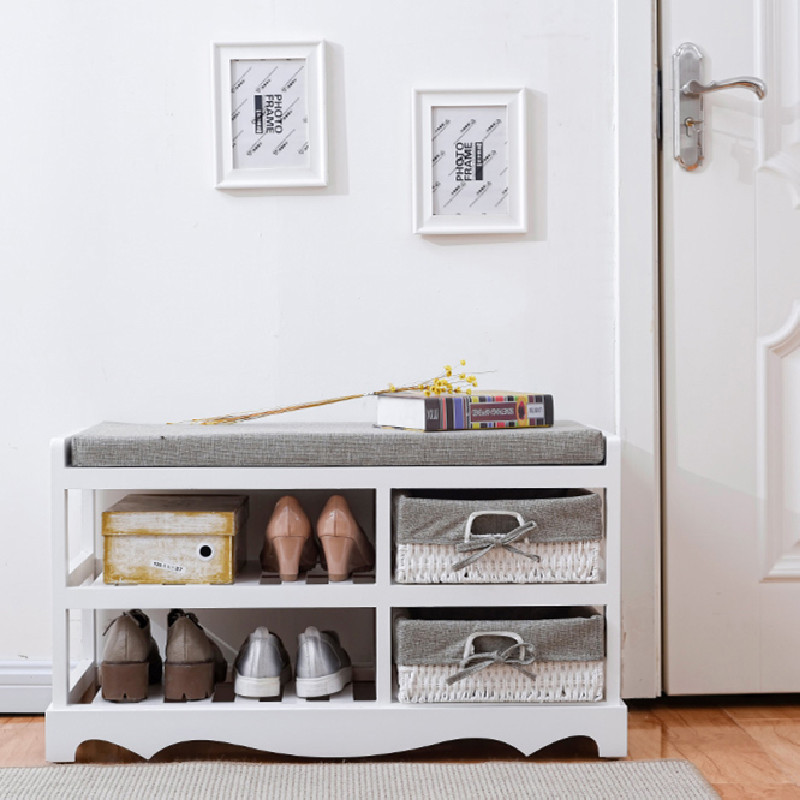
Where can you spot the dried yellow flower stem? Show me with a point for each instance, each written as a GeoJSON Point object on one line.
{"type": "Point", "coordinates": [437, 385]}
{"type": "Point", "coordinates": [229, 418]}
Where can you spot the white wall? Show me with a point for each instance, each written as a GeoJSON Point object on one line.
{"type": "Point", "coordinates": [133, 290]}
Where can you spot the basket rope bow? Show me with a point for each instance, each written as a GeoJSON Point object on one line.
{"type": "Point", "coordinates": [517, 655]}
{"type": "Point", "coordinates": [482, 545]}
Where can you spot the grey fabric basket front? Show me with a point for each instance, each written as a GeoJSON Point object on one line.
{"type": "Point", "coordinates": [477, 660]}
{"type": "Point", "coordinates": [435, 533]}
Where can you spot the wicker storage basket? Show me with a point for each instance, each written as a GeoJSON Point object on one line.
{"type": "Point", "coordinates": [541, 537]}
{"type": "Point", "coordinates": [553, 660]}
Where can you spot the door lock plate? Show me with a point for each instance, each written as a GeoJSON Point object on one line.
{"type": "Point", "coordinates": [687, 64]}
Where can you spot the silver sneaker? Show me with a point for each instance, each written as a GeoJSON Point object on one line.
{"type": "Point", "coordinates": [323, 667]}
{"type": "Point", "coordinates": [262, 667]}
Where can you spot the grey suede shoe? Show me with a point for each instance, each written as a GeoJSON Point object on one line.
{"type": "Point", "coordinates": [262, 667]}
{"type": "Point", "coordinates": [194, 663]}
{"type": "Point", "coordinates": [130, 658]}
{"type": "Point", "coordinates": [323, 667]}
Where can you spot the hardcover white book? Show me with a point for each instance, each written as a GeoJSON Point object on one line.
{"type": "Point", "coordinates": [457, 412]}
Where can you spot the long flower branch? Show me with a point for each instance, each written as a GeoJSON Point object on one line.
{"type": "Point", "coordinates": [445, 383]}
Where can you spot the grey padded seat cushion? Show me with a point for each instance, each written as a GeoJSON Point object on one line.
{"type": "Point", "coordinates": [119, 444]}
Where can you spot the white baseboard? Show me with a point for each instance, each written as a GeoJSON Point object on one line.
{"type": "Point", "coordinates": [25, 686]}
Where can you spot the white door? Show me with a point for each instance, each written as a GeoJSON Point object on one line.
{"type": "Point", "coordinates": [731, 357]}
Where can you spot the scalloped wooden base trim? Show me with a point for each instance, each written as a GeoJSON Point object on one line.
{"type": "Point", "coordinates": [315, 730]}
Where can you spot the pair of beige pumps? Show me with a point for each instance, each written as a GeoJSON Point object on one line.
{"type": "Point", "coordinates": [290, 547]}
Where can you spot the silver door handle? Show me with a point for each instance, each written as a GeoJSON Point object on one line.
{"type": "Point", "coordinates": [687, 66]}
{"type": "Point", "coordinates": [754, 84]}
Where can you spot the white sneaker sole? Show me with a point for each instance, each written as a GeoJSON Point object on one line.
{"type": "Point", "coordinates": [327, 684]}
{"type": "Point", "coordinates": [259, 687]}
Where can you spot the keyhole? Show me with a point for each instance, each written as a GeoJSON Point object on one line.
{"type": "Point", "coordinates": [690, 123]}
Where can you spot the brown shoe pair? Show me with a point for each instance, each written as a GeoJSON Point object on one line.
{"type": "Point", "coordinates": [290, 547]}
{"type": "Point", "coordinates": [131, 660]}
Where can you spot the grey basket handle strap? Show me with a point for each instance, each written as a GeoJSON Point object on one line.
{"type": "Point", "coordinates": [483, 544]}
{"type": "Point", "coordinates": [517, 655]}
{"type": "Point", "coordinates": [469, 645]}
{"type": "Point", "coordinates": [475, 514]}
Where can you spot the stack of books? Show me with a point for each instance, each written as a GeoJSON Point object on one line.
{"type": "Point", "coordinates": [463, 412]}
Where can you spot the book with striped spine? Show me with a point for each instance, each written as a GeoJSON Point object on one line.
{"type": "Point", "coordinates": [461, 412]}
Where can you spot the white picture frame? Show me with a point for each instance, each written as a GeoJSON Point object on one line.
{"type": "Point", "coordinates": [469, 161]}
{"type": "Point", "coordinates": [270, 121]}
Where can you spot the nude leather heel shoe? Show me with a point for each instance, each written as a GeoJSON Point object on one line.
{"type": "Point", "coordinates": [345, 548]}
{"type": "Point", "coordinates": [288, 545]}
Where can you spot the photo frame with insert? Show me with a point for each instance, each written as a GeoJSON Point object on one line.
{"type": "Point", "coordinates": [270, 124]}
{"type": "Point", "coordinates": [469, 161]}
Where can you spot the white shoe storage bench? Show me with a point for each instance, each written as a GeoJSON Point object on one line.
{"type": "Point", "coordinates": [368, 465]}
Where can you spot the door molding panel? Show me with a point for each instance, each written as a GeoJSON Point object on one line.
{"type": "Point", "coordinates": [779, 353]}
{"type": "Point", "coordinates": [637, 347]}
{"type": "Point", "coordinates": [779, 450]}
{"type": "Point", "coordinates": [779, 132]}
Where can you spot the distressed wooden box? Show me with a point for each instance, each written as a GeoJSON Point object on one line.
{"type": "Point", "coordinates": [174, 538]}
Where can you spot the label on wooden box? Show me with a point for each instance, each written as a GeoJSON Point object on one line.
{"type": "Point", "coordinates": [171, 538]}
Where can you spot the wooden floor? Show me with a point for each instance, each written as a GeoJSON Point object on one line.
{"type": "Point", "coordinates": [747, 747]}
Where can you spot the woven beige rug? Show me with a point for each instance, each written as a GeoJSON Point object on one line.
{"type": "Point", "coordinates": [204, 780]}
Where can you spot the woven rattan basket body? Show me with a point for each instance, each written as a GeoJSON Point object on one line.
{"type": "Point", "coordinates": [435, 535]}
{"type": "Point", "coordinates": [461, 661]}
